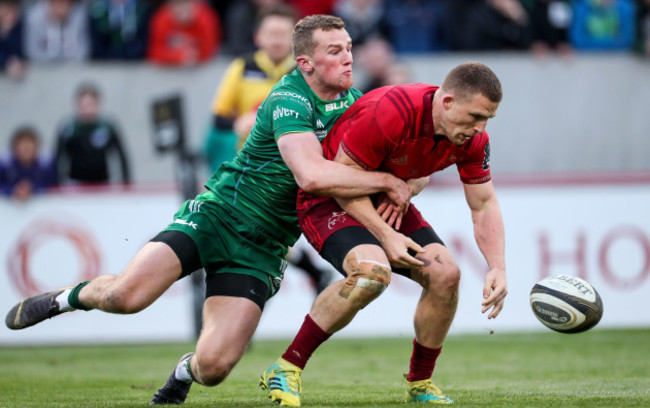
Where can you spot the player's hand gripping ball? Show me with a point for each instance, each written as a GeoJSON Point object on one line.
{"type": "Point", "coordinates": [566, 304]}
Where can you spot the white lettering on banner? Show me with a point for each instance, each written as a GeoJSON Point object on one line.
{"type": "Point", "coordinates": [336, 106]}
{"type": "Point", "coordinates": [281, 112]}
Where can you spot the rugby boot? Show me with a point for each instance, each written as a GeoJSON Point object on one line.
{"type": "Point", "coordinates": [174, 392]}
{"type": "Point", "coordinates": [283, 383]}
{"type": "Point", "coordinates": [425, 391]}
{"type": "Point", "coordinates": [34, 310]}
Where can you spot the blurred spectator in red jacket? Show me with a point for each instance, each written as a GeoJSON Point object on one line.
{"type": "Point", "coordinates": [184, 33]}
{"type": "Point", "coordinates": [308, 7]}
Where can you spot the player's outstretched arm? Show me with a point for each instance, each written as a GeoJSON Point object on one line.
{"type": "Point", "coordinates": [303, 154]}
{"type": "Point", "coordinates": [490, 237]}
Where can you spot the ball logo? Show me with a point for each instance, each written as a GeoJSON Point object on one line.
{"type": "Point", "coordinates": [43, 231]}
{"type": "Point", "coordinates": [551, 314]}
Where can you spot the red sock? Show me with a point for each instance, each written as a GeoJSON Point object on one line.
{"type": "Point", "coordinates": [309, 337]}
{"type": "Point", "coordinates": [423, 361]}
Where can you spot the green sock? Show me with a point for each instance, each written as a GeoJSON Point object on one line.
{"type": "Point", "coordinates": [73, 297]}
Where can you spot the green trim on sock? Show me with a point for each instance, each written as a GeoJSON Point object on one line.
{"type": "Point", "coordinates": [189, 369]}
{"type": "Point", "coordinates": [73, 297]}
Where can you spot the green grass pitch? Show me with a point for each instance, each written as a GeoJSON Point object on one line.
{"type": "Point", "coordinates": [600, 368]}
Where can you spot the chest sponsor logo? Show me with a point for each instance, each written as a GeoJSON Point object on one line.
{"type": "Point", "coordinates": [281, 112]}
{"type": "Point", "coordinates": [293, 95]}
{"type": "Point", "coordinates": [336, 106]}
{"type": "Point", "coordinates": [401, 161]}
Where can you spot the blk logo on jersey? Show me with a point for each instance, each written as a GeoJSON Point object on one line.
{"type": "Point", "coordinates": [189, 224]}
{"type": "Point", "coordinates": [336, 106]}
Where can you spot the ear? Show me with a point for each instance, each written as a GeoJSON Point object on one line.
{"type": "Point", "coordinates": [305, 64]}
{"type": "Point", "coordinates": [448, 100]}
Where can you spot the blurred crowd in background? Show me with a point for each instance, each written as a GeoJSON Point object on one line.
{"type": "Point", "coordinates": [190, 32]}
{"type": "Point", "coordinates": [182, 33]}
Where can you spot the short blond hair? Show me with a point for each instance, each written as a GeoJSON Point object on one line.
{"type": "Point", "coordinates": [303, 32]}
{"type": "Point", "coordinates": [471, 78]}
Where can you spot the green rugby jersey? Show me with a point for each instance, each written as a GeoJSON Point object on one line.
{"type": "Point", "coordinates": [257, 182]}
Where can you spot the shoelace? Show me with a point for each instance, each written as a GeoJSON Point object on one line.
{"type": "Point", "coordinates": [429, 388]}
{"type": "Point", "coordinates": [292, 380]}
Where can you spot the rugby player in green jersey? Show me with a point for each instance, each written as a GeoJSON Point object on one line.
{"type": "Point", "coordinates": [239, 229]}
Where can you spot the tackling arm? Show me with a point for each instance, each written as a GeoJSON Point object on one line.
{"type": "Point", "coordinates": [490, 237]}
{"type": "Point", "coordinates": [303, 154]}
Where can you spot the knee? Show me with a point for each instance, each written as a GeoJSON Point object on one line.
{"type": "Point", "coordinates": [121, 301]}
{"type": "Point", "coordinates": [366, 283]}
{"type": "Point", "coordinates": [447, 276]}
{"type": "Point", "coordinates": [212, 369]}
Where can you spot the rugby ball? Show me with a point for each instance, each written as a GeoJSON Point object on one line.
{"type": "Point", "coordinates": [566, 304]}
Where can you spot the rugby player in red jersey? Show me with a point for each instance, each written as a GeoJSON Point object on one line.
{"type": "Point", "coordinates": [410, 131]}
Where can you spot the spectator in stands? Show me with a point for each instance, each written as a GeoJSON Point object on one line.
{"type": "Point", "coordinates": [308, 7]}
{"type": "Point", "coordinates": [363, 18]}
{"type": "Point", "coordinates": [417, 26]}
{"type": "Point", "coordinates": [549, 23]}
{"type": "Point", "coordinates": [603, 24]}
{"type": "Point", "coordinates": [184, 33]}
{"type": "Point", "coordinates": [379, 63]}
{"type": "Point", "coordinates": [56, 30]}
{"type": "Point", "coordinates": [119, 29]}
{"type": "Point", "coordinates": [25, 172]}
{"type": "Point", "coordinates": [12, 56]}
{"type": "Point", "coordinates": [238, 28]}
{"type": "Point", "coordinates": [643, 38]}
{"type": "Point", "coordinates": [89, 147]}
{"type": "Point", "coordinates": [494, 25]}
{"type": "Point", "coordinates": [248, 80]}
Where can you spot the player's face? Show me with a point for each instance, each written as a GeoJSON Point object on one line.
{"type": "Point", "coordinates": [274, 37]}
{"type": "Point", "coordinates": [332, 60]}
{"type": "Point", "coordinates": [87, 107]}
{"type": "Point", "coordinates": [464, 118]}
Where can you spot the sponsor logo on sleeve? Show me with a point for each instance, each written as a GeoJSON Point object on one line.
{"type": "Point", "coordinates": [281, 112]}
{"type": "Point", "coordinates": [486, 158]}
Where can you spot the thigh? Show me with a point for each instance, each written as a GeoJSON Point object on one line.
{"type": "Point", "coordinates": [227, 242]}
{"type": "Point", "coordinates": [149, 274]}
{"type": "Point", "coordinates": [341, 243]}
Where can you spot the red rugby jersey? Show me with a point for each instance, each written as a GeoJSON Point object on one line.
{"type": "Point", "coordinates": [391, 129]}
